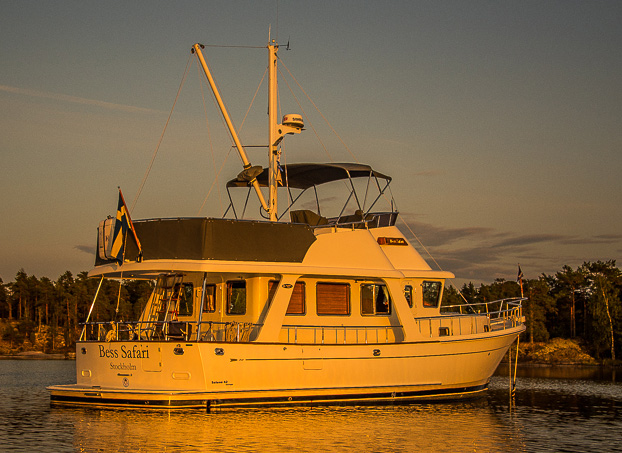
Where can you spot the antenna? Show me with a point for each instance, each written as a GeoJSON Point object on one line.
{"type": "Point", "coordinates": [277, 20]}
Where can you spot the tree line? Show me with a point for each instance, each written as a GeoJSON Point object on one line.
{"type": "Point", "coordinates": [583, 303]}
{"type": "Point", "coordinates": [48, 313]}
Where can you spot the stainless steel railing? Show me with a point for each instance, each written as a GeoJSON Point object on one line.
{"type": "Point", "coordinates": [454, 320]}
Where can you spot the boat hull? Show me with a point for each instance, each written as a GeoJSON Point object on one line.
{"type": "Point", "coordinates": [223, 375]}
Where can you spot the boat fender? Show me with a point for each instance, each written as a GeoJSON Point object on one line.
{"type": "Point", "coordinates": [112, 333]}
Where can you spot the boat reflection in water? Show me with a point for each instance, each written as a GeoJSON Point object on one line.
{"type": "Point", "coordinates": [473, 427]}
{"type": "Point", "coordinates": [548, 414]}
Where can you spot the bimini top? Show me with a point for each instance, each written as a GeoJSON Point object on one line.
{"type": "Point", "coordinates": [303, 176]}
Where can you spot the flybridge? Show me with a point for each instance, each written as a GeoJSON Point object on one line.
{"type": "Point", "coordinates": [306, 176]}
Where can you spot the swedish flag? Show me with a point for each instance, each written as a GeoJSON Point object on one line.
{"type": "Point", "coordinates": [122, 225]}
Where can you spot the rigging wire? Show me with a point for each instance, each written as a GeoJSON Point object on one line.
{"type": "Point", "coordinates": [254, 96]}
{"type": "Point", "coordinates": [142, 183]}
{"type": "Point", "coordinates": [215, 180]}
{"type": "Point", "coordinates": [318, 110]}
{"type": "Point", "coordinates": [306, 116]}
{"type": "Point", "coordinates": [211, 146]}
{"type": "Point", "coordinates": [233, 146]}
{"type": "Point", "coordinates": [233, 47]}
{"type": "Point", "coordinates": [431, 257]}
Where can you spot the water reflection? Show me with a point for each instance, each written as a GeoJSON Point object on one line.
{"type": "Point", "coordinates": [440, 427]}
{"type": "Point", "coordinates": [564, 408]}
{"type": "Point", "coordinates": [549, 414]}
{"type": "Point", "coordinates": [593, 373]}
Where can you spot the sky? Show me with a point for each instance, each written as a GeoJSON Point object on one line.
{"type": "Point", "coordinates": [500, 122]}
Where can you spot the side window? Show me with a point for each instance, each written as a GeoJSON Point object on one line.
{"type": "Point", "coordinates": [375, 300]}
{"type": "Point", "coordinates": [209, 302]}
{"type": "Point", "coordinates": [236, 297]}
{"type": "Point", "coordinates": [297, 304]}
{"type": "Point", "coordinates": [185, 293]}
{"type": "Point", "coordinates": [408, 294]}
{"type": "Point", "coordinates": [332, 298]}
{"type": "Point", "coordinates": [431, 293]}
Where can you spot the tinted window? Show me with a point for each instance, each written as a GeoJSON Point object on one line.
{"type": "Point", "coordinates": [375, 299]}
{"type": "Point", "coordinates": [408, 294]}
{"type": "Point", "coordinates": [236, 297]}
{"type": "Point", "coordinates": [209, 302]}
{"type": "Point", "coordinates": [184, 292]}
{"type": "Point", "coordinates": [431, 293]}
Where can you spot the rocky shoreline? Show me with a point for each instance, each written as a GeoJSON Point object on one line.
{"type": "Point", "coordinates": [39, 355]}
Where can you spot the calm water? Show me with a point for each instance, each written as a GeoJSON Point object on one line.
{"type": "Point", "coordinates": [555, 410]}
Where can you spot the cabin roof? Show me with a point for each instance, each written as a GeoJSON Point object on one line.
{"type": "Point", "coordinates": [303, 176]}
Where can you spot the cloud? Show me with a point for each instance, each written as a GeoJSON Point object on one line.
{"type": "Point", "coordinates": [598, 239]}
{"type": "Point", "coordinates": [609, 237]}
{"type": "Point", "coordinates": [482, 254]}
{"type": "Point", "coordinates": [86, 249]}
{"type": "Point", "coordinates": [431, 235]}
{"type": "Point", "coordinates": [530, 239]}
{"type": "Point", "coordinates": [76, 100]}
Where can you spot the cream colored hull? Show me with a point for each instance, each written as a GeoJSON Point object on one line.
{"type": "Point", "coordinates": [169, 375]}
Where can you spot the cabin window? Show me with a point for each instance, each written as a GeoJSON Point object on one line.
{"type": "Point", "coordinates": [431, 293]}
{"type": "Point", "coordinates": [184, 304]}
{"type": "Point", "coordinates": [297, 304]}
{"type": "Point", "coordinates": [236, 297]}
{"type": "Point", "coordinates": [408, 294]}
{"type": "Point", "coordinates": [375, 299]}
{"type": "Point", "coordinates": [209, 301]}
{"type": "Point", "coordinates": [333, 298]}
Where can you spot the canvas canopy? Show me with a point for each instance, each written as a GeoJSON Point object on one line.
{"type": "Point", "coordinates": [303, 176]}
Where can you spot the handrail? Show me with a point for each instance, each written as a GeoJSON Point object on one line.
{"type": "Point", "coordinates": [231, 331]}
{"type": "Point", "coordinates": [508, 315]}
{"type": "Point", "coordinates": [509, 300]}
{"type": "Point", "coordinates": [339, 334]}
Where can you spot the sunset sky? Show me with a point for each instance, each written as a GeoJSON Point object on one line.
{"type": "Point", "coordinates": [500, 122]}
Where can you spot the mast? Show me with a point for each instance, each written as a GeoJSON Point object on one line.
{"type": "Point", "coordinates": [291, 124]}
{"type": "Point", "coordinates": [273, 149]}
